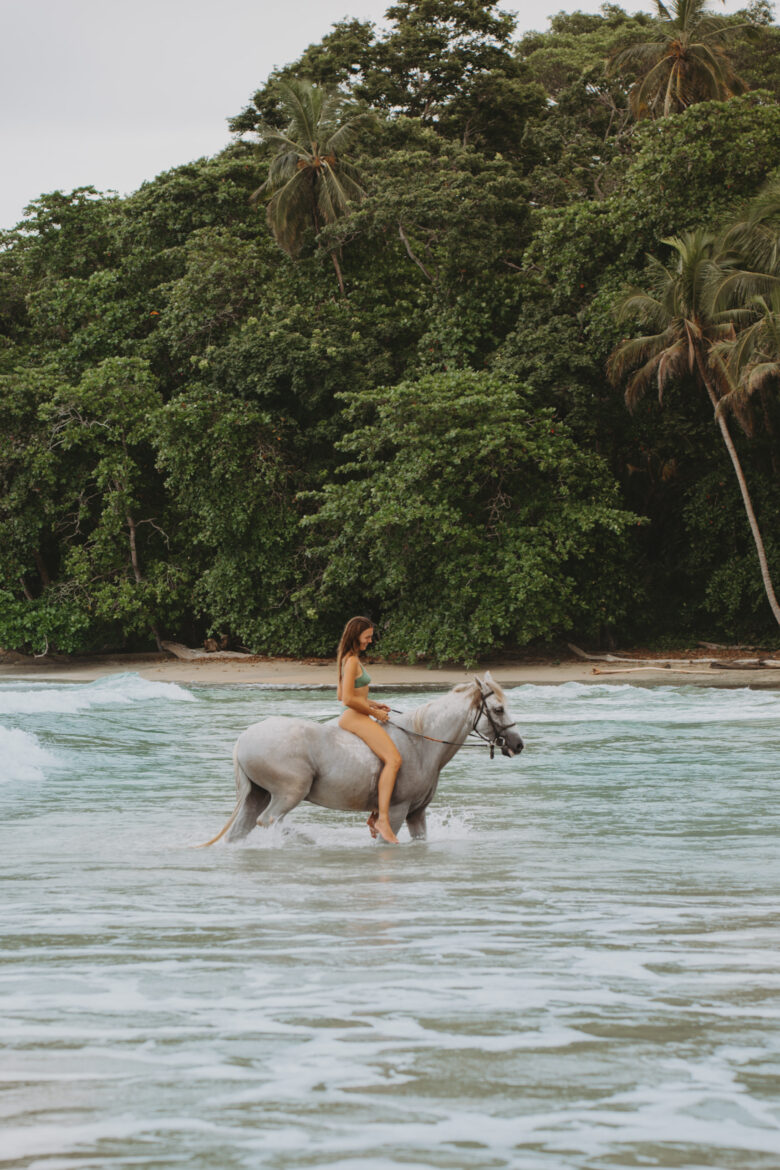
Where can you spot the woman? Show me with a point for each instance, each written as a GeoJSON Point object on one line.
{"type": "Point", "coordinates": [359, 715]}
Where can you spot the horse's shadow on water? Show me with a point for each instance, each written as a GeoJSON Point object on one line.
{"type": "Point", "coordinates": [287, 836]}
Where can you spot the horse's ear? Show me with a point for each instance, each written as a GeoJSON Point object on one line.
{"type": "Point", "coordinates": [492, 687]}
{"type": "Point", "coordinates": [482, 687]}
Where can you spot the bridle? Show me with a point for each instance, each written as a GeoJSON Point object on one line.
{"type": "Point", "coordinates": [497, 740]}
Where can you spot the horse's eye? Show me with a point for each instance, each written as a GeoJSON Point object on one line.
{"type": "Point", "coordinates": [499, 710]}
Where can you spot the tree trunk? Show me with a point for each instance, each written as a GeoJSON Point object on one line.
{"type": "Point", "coordinates": [42, 570]}
{"type": "Point", "coordinates": [134, 550]}
{"type": "Point", "coordinates": [336, 265]}
{"type": "Point", "coordinates": [725, 433]}
{"type": "Point", "coordinates": [770, 430]}
{"type": "Point", "coordinates": [316, 221]}
{"type": "Point", "coordinates": [411, 254]}
{"type": "Point", "coordinates": [138, 574]}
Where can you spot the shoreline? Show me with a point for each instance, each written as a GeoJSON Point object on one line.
{"type": "Point", "coordinates": [215, 669]}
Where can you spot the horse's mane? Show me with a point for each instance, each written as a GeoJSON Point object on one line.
{"type": "Point", "coordinates": [459, 688]}
{"type": "Point", "coordinates": [417, 717]}
{"type": "Point", "coordinates": [476, 697]}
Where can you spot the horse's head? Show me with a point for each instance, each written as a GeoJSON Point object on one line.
{"type": "Point", "coordinates": [494, 721]}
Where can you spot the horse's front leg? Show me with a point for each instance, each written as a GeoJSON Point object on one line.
{"type": "Point", "coordinates": [416, 825]}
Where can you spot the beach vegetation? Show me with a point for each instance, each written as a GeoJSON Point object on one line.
{"type": "Point", "coordinates": [205, 434]}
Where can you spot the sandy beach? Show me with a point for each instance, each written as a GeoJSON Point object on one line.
{"type": "Point", "coordinates": [678, 667]}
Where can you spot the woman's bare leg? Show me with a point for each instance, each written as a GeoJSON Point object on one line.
{"type": "Point", "coordinates": [384, 792]}
{"type": "Point", "coordinates": [381, 745]}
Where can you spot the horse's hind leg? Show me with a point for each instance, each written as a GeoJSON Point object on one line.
{"type": "Point", "coordinates": [254, 803]}
{"type": "Point", "coordinates": [289, 791]}
{"type": "Point", "coordinates": [250, 802]}
{"type": "Point", "coordinates": [415, 823]}
{"type": "Point", "coordinates": [279, 806]}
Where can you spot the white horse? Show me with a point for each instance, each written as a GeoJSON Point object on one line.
{"type": "Point", "coordinates": [282, 761]}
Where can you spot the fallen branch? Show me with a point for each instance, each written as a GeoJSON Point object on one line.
{"type": "Point", "coordinates": [659, 662]}
{"type": "Point", "coordinates": [721, 646]}
{"type": "Point", "coordinates": [411, 254]}
{"type": "Point", "coordinates": [766, 664]}
{"type": "Point", "coordinates": [669, 663]}
{"type": "Point", "coordinates": [644, 669]}
{"type": "Point", "coordinates": [739, 664]}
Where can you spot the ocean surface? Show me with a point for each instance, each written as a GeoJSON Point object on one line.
{"type": "Point", "coordinates": [579, 969]}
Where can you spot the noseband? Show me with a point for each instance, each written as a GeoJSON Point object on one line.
{"type": "Point", "coordinates": [497, 739]}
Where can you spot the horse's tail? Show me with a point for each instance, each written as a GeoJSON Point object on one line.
{"type": "Point", "coordinates": [242, 787]}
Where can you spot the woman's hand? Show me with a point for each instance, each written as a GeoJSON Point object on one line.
{"type": "Point", "coordinates": [381, 712]}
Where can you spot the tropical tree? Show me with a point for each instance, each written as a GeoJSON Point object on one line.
{"type": "Point", "coordinates": [450, 63]}
{"type": "Point", "coordinates": [749, 295]}
{"type": "Point", "coordinates": [310, 182]}
{"type": "Point", "coordinates": [686, 63]}
{"type": "Point", "coordinates": [683, 335]}
{"type": "Point", "coordinates": [750, 360]}
{"type": "Point", "coordinates": [469, 516]}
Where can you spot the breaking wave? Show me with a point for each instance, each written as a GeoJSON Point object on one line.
{"type": "Point", "coordinates": [21, 756]}
{"type": "Point", "coordinates": [24, 698]}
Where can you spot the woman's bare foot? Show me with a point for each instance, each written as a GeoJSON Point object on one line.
{"type": "Point", "coordinates": [385, 832]}
{"type": "Point", "coordinates": [371, 822]}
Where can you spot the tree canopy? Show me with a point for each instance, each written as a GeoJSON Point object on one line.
{"type": "Point", "coordinates": [205, 433]}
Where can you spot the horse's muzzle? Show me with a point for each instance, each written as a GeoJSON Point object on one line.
{"type": "Point", "coordinates": [512, 748]}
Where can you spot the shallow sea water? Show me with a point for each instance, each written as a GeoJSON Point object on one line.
{"type": "Point", "coordinates": [579, 968]}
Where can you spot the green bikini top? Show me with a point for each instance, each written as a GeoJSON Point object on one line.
{"type": "Point", "coordinates": [363, 679]}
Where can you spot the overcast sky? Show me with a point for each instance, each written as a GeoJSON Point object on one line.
{"type": "Point", "coordinates": [108, 93]}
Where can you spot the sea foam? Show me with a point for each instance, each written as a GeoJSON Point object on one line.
{"type": "Point", "coordinates": [22, 698]}
{"type": "Point", "coordinates": [21, 756]}
{"type": "Point", "coordinates": [623, 702]}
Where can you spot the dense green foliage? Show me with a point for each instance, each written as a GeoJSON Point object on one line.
{"type": "Point", "coordinates": [205, 432]}
{"type": "Point", "coordinates": [470, 515]}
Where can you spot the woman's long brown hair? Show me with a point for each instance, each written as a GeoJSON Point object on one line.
{"type": "Point", "coordinates": [349, 639]}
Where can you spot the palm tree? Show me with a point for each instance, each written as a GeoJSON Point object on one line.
{"type": "Point", "coordinates": [751, 359]}
{"type": "Point", "coordinates": [748, 295]}
{"type": "Point", "coordinates": [309, 182]}
{"type": "Point", "coordinates": [687, 63]}
{"type": "Point", "coordinates": [754, 237]}
{"type": "Point", "coordinates": [683, 334]}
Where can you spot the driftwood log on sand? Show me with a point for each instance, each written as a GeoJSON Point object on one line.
{"type": "Point", "coordinates": [644, 669]}
{"type": "Point", "coordinates": [677, 664]}
{"type": "Point", "coordinates": [186, 654]}
{"type": "Point", "coordinates": [661, 663]}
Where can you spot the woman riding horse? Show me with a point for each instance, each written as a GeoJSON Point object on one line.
{"type": "Point", "coordinates": [360, 714]}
